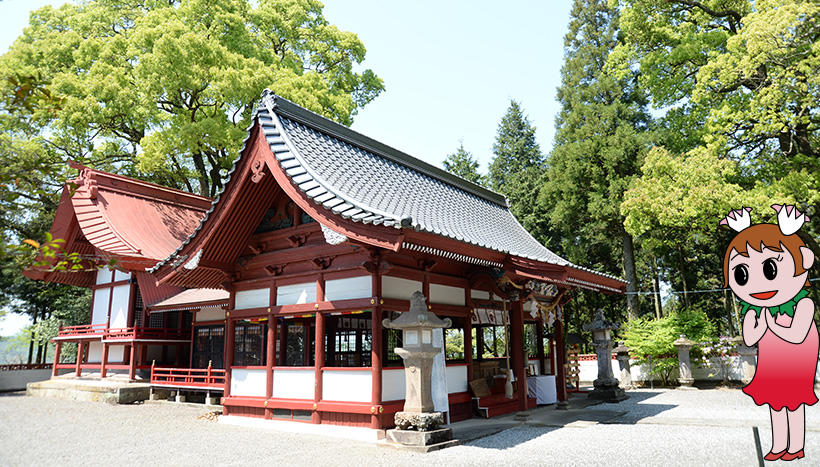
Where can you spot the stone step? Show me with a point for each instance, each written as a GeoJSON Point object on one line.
{"type": "Point", "coordinates": [105, 390]}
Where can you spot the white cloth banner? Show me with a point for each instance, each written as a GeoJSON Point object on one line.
{"type": "Point", "coordinates": [441, 402]}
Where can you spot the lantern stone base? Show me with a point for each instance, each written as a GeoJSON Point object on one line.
{"type": "Point", "coordinates": [418, 421]}
{"type": "Point", "coordinates": [420, 441]}
{"type": "Point", "coordinates": [608, 391]}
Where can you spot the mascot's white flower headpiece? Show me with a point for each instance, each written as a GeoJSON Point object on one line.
{"type": "Point", "coordinates": [789, 219]}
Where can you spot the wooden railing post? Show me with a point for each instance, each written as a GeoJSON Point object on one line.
{"type": "Point", "coordinates": [153, 365]}
{"type": "Point", "coordinates": [210, 366]}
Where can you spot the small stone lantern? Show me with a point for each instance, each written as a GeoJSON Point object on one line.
{"type": "Point", "coordinates": [606, 386]}
{"type": "Point", "coordinates": [417, 424]}
{"type": "Point", "coordinates": [683, 344]}
{"type": "Point", "coordinates": [622, 354]}
{"type": "Point", "coordinates": [748, 363]}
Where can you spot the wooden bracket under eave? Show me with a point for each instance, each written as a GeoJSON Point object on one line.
{"type": "Point", "coordinates": [297, 240]}
{"type": "Point", "coordinates": [322, 262]}
{"type": "Point", "coordinates": [275, 270]}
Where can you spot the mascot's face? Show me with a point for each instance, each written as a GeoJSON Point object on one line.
{"type": "Point", "coordinates": [764, 278]}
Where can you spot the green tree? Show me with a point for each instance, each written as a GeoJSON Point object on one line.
{"type": "Point", "coordinates": [517, 166]}
{"type": "Point", "coordinates": [165, 89]}
{"type": "Point", "coordinates": [600, 141]}
{"type": "Point", "coordinates": [740, 76]}
{"type": "Point", "coordinates": [463, 164]}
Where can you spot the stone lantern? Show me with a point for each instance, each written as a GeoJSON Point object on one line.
{"type": "Point", "coordinates": [683, 344]}
{"type": "Point", "coordinates": [622, 354]}
{"type": "Point", "coordinates": [606, 386]}
{"type": "Point", "coordinates": [416, 425]}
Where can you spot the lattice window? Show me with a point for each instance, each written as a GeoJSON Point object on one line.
{"type": "Point", "coordinates": [156, 320]}
{"type": "Point", "coordinates": [139, 309]}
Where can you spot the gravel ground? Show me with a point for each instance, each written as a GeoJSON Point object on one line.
{"type": "Point", "coordinates": [660, 427]}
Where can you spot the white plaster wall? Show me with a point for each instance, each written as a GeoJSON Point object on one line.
{"type": "Point", "coordinates": [119, 306]}
{"type": "Point", "coordinates": [256, 298]}
{"type": "Point", "coordinates": [210, 314]}
{"type": "Point", "coordinates": [104, 276]}
{"type": "Point", "coordinates": [349, 288]}
{"type": "Point", "coordinates": [347, 385]}
{"type": "Point", "coordinates": [399, 288]}
{"type": "Point", "coordinates": [296, 294]}
{"type": "Point", "coordinates": [393, 385]}
{"type": "Point", "coordinates": [480, 294]}
{"type": "Point", "coordinates": [456, 379]}
{"type": "Point", "coordinates": [121, 276]}
{"type": "Point", "coordinates": [293, 384]}
{"type": "Point", "coordinates": [15, 380]}
{"type": "Point", "coordinates": [446, 294]}
{"type": "Point", "coordinates": [248, 382]}
{"type": "Point", "coordinates": [115, 353]}
{"type": "Point", "coordinates": [701, 372]}
{"type": "Point", "coordinates": [99, 309]}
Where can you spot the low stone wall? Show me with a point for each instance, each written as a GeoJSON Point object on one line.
{"type": "Point", "coordinates": [16, 380]}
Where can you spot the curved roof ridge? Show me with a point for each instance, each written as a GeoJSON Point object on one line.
{"type": "Point", "coordinates": [339, 131]}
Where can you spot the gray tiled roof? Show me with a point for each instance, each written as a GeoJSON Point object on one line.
{"type": "Point", "coordinates": [368, 182]}
{"type": "Point", "coordinates": [363, 180]}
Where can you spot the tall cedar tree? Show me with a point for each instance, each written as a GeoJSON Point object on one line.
{"type": "Point", "coordinates": [463, 164]}
{"type": "Point", "coordinates": [516, 169]}
{"type": "Point", "coordinates": [600, 143]}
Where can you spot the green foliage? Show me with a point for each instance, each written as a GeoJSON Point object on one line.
{"type": "Point", "coordinates": [164, 89]}
{"type": "Point", "coordinates": [463, 164]}
{"type": "Point", "coordinates": [516, 168]}
{"type": "Point", "coordinates": [648, 337]}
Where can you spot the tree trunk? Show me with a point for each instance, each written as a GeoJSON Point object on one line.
{"type": "Point", "coordinates": [31, 342]}
{"type": "Point", "coordinates": [632, 279]}
{"type": "Point", "coordinates": [202, 174]}
{"type": "Point", "coordinates": [656, 287]}
{"type": "Point", "coordinates": [682, 265]}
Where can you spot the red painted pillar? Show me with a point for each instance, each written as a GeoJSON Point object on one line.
{"type": "Point", "coordinates": [132, 363]}
{"type": "Point", "coordinates": [230, 330]}
{"type": "Point", "coordinates": [103, 360]}
{"type": "Point", "coordinates": [58, 346]}
{"type": "Point", "coordinates": [468, 334]}
{"type": "Point", "coordinates": [517, 351]}
{"type": "Point", "coordinates": [80, 347]}
{"type": "Point", "coordinates": [376, 351]}
{"type": "Point", "coordinates": [560, 370]}
{"type": "Point", "coordinates": [319, 362]}
{"type": "Point", "coordinates": [270, 357]}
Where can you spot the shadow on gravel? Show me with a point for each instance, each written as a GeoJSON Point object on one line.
{"type": "Point", "coordinates": [636, 408]}
{"type": "Point", "coordinates": [509, 438]}
{"type": "Point", "coordinates": [13, 394]}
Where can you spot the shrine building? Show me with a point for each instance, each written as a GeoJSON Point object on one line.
{"type": "Point", "coordinates": [274, 292]}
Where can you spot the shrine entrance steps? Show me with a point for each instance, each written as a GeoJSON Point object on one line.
{"type": "Point", "coordinates": [497, 403]}
{"type": "Point", "coordinates": [114, 389]}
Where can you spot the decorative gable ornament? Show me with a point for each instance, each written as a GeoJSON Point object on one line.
{"type": "Point", "coordinates": [331, 236]}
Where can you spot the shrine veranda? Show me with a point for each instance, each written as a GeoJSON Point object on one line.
{"type": "Point", "coordinates": [273, 294]}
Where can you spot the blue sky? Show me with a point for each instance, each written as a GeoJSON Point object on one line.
{"type": "Point", "coordinates": [450, 69]}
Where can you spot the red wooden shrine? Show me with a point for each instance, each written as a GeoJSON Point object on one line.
{"type": "Point", "coordinates": [318, 234]}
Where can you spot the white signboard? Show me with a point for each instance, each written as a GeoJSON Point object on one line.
{"type": "Point", "coordinates": [488, 316]}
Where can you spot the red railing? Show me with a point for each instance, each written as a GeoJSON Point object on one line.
{"type": "Point", "coordinates": [99, 330]}
{"type": "Point", "coordinates": [147, 333]}
{"type": "Point", "coordinates": [197, 378]}
{"type": "Point", "coordinates": [85, 330]}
